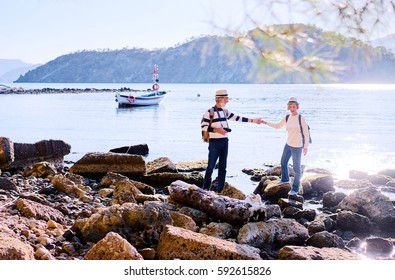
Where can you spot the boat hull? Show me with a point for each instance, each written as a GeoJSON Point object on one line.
{"type": "Point", "coordinates": [133, 99]}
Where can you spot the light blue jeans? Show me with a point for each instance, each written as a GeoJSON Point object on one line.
{"type": "Point", "coordinates": [296, 154]}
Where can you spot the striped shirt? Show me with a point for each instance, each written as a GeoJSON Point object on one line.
{"type": "Point", "coordinates": [220, 119]}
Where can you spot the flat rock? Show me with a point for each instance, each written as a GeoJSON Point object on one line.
{"type": "Point", "coordinates": [178, 243]}
{"type": "Point", "coordinates": [99, 164]}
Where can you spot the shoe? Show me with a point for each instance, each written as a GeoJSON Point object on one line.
{"type": "Point", "coordinates": [282, 183]}
{"type": "Point", "coordinates": [291, 192]}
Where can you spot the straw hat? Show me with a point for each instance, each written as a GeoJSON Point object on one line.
{"type": "Point", "coordinates": [221, 93]}
{"type": "Point", "coordinates": [293, 100]}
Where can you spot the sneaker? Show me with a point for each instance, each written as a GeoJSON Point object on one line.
{"type": "Point", "coordinates": [291, 192]}
{"type": "Point", "coordinates": [282, 183]}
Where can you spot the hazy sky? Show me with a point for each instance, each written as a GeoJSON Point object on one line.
{"type": "Point", "coordinates": [37, 31]}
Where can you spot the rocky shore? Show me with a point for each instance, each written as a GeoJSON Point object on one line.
{"type": "Point", "coordinates": [117, 206]}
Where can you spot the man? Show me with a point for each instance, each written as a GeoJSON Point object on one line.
{"type": "Point", "coordinates": [218, 142]}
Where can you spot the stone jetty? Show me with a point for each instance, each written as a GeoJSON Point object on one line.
{"type": "Point", "coordinates": [20, 90]}
{"type": "Point", "coordinates": [117, 206]}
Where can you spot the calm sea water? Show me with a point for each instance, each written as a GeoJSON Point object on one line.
{"type": "Point", "coordinates": [352, 126]}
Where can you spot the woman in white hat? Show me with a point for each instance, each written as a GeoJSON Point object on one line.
{"type": "Point", "coordinates": [296, 128]}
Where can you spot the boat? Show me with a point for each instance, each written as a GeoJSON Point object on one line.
{"type": "Point", "coordinates": [147, 97]}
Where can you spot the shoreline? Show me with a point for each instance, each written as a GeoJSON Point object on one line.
{"type": "Point", "coordinates": [68, 209]}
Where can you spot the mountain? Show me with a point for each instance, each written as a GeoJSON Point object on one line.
{"type": "Point", "coordinates": [387, 42]}
{"type": "Point", "coordinates": [270, 55]}
{"type": "Point", "coordinates": [11, 69]}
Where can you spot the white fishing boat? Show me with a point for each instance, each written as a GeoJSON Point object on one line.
{"type": "Point", "coordinates": [142, 97]}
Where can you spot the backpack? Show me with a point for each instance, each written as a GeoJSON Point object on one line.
{"type": "Point", "coordinates": [301, 129]}
{"type": "Point", "coordinates": [206, 134]}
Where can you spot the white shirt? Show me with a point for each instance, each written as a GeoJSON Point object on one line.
{"type": "Point", "coordinates": [293, 128]}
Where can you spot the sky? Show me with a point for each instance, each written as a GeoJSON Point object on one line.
{"type": "Point", "coordinates": [37, 31]}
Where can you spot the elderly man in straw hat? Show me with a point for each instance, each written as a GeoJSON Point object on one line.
{"type": "Point", "coordinates": [218, 130]}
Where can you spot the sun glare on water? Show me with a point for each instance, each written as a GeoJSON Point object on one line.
{"type": "Point", "coordinates": [361, 157]}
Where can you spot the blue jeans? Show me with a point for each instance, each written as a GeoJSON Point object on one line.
{"type": "Point", "coordinates": [296, 154]}
{"type": "Point", "coordinates": [217, 148]}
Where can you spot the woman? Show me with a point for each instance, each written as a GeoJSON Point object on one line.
{"type": "Point", "coordinates": [295, 125]}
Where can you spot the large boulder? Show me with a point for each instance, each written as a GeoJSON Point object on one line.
{"type": "Point", "coordinates": [325, 239]}
{"type": "Point", "coordinates": [347, 220]}
{"type": "Point", "coordinates": [275, 232]}
{"type": "Point", "coordinates": [141, 225]}
{"type": "Point", "coordinates": [225, 209]}
{"type": "Point", "coordinates": [318, 184]}
{"type": "Point", "coordinates": [99, 164]}
{"type": "Point", "coordinates": [97, 226]}
{"type": "Point", "coordinates": [178, 243]}
{"type": "Point", "coordinates": [23, 155]}
{"type": "Point", "coordinates": [314, 253]}
{"type": "Point", "coordinates": [372, 203]}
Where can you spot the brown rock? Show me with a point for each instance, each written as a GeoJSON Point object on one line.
{"type": "Point", "coordinates": [218, 230]}
{"type": "Point", "coordinates": [22, 155]}
{"type": "Point", "coordinates": [42, 169]}
{"type": "Point", "coordinates": [99, 164]}
{"type": "Point", "coordinates": [14, 249]}
{"type": "Point", "coordinates": [314, 253]}
{"type": "Point", "coordinates": [274, 191]}
{"type": "Point", "coordinates": [124, 192]}
{"type": "Point", "coordinates": [64, 184]}
{"type": "Point", "coordinates": [183, 221]}
{"type": "Point", "coordinates": [112, 178]}
{"type": "Point", "coordinates": [52, 151]}
{"type": "Point", "coordinates": [159, 165]}
{"type": "Point", "coordinates": [164, 179]}
{"type": "Point", "coordinates": [177, 243]}
{"type": "Point", "coordinates": [233, 211]}
{"type": "Point", "coordinates": [199, 165]}
{"type": "Point", "coordinates": [113, 247]}
{"type": "Point", "coordinates": [36, 210]}
{"type": "Point", "coordinates": [277, 232]}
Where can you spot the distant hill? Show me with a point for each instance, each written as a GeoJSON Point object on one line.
{"type": "Point", "coordinates": [11, 69]}
{"type": "Point", "coordinates": [387, 42]}
{"type": "Point", "coordinates": [323, 57]}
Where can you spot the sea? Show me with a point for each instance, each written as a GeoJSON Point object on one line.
{"type": "Point", "coordinates": [352, 125]}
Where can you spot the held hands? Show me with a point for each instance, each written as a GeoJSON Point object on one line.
{"type": "Point", "coordinates": [258, 121]}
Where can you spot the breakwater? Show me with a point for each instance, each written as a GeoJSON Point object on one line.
{"type": "Point", "coordinates": [20, 90]}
